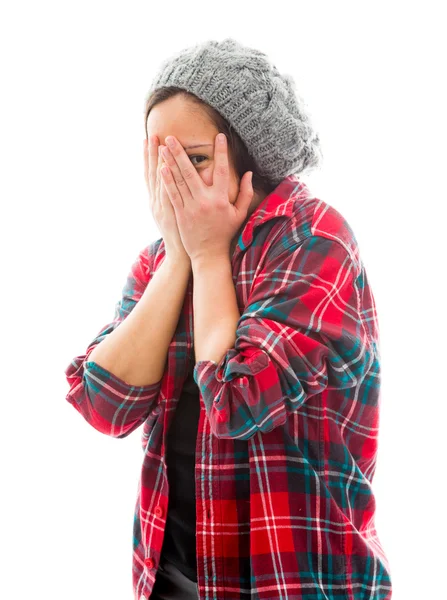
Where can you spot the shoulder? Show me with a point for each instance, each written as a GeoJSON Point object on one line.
{"type": "Point", "coordinates": [316, 221]}
{"type": "Point", "coordinates": [328, 222]}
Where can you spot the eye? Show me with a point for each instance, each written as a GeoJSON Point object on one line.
{"type": "Point", "coordinates": [197, 156]}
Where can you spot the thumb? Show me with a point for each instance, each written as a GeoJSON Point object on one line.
{"type": "Point", "coordinates": [245, 195]}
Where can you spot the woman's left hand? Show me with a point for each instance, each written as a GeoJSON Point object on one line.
{"type": "Point", "coordinates": [206, 219]}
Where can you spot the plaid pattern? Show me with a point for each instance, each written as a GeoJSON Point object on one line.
{"type": "Point", "coordinates": [288, 432]}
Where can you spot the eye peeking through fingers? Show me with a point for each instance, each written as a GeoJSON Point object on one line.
{"type": "Point", "coordinates": [197, 156]}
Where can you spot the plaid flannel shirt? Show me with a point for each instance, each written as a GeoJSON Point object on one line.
{"type": "Point", "coordinates": [287, 439]}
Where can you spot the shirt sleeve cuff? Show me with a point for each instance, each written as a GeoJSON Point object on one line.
{"type": "Point", "coordinates": [118, 383]}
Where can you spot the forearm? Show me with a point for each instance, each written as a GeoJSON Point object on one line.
{"type": "Point", "coordinates": [137, 349]}
{"type": "Point", "coordinates": [216, 311]}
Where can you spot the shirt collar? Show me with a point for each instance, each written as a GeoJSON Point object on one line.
{"type": "Point", "coordinates": [279, 203]}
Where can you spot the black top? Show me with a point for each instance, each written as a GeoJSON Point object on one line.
{"type": "Point", "coordinates": [179, 544]}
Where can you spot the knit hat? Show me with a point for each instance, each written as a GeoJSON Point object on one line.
{"type": "Point", "coordinates": [259, 102]}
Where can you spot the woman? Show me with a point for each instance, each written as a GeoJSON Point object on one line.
{"type": "Point", "coordinates": [246, 343]}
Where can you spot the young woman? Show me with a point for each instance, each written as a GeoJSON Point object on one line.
{"type": "Point", "coordinates": [246, 345]}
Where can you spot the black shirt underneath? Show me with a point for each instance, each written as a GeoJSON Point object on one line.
{"type": "Point", "coordinates": [179, 545]}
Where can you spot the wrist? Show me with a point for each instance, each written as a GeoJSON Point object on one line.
{"type": "Point", "coordinates": [178, 261]}
{"type": "Point", "coordinates": [203, 263]}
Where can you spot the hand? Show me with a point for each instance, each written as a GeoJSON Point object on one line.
{"type": "Point", "coordinates": [162, 210]}
{"type": "Point", "coordinates": [206, 219]}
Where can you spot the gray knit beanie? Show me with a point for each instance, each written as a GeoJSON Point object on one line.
{"type": "Point", "coordinates": [260, 103]}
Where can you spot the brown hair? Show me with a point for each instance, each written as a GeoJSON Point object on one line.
{"type": "Point", "coordinates": [238, 153]}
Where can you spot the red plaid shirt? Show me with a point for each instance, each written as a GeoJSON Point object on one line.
{"type": "Point", "coordinates": [287, 439]}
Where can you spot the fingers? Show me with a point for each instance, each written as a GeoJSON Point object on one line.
{"type": "Point", "coordinates": [174, 180]}
{"type": "Point", "coordinates": [158, 175]}
{"type": "Point", "coordinates": [221, 174]}
{"type": "Point", "coordinates": [163, 193]}
{"type": "Point", "coordinates": [189, 182]}
{"type": "Point", "coordinates": [152, 160]}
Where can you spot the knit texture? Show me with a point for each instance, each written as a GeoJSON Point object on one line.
{"type": "Point", "coordinates": [259, 102]}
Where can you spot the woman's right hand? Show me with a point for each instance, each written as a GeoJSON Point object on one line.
{"type": "Point", "coordinates": [162, 209]}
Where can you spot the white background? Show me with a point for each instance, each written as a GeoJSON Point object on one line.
{"type": "Point", "coordinates": [75, 213]}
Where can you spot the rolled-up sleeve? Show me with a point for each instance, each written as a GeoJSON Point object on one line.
{"type": "Point", "coordinates": [302, 332]}
{"type": "Point", "coordinates": [108, 403]}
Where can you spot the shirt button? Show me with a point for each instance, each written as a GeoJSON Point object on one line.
{"type": "Point", "coordinates": [149, 563]}
{"type": "Point", "coordinates": [158, 511]}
